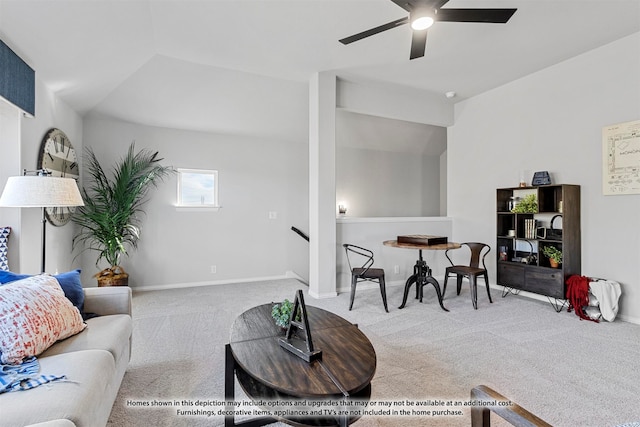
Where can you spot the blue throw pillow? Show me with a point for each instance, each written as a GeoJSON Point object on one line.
{"type": "Point", "coordinates": [10, 276]}
{"type": "Point", "coordinates": [69, 282]}
{"type": "Point", "coordinates": [72, 287]}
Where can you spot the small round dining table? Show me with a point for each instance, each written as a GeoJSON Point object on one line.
{"type": "Point", "coordinates": [422, 274]}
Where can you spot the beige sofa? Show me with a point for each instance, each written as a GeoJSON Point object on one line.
{"type": "Point", "coordinates": [94, 362]}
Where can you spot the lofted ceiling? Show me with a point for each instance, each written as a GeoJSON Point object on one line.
{"type": "Point", "coordinates": [243, 65]}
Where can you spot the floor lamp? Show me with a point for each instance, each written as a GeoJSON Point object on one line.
{"type": "Point", "coordinates": [40, 191]}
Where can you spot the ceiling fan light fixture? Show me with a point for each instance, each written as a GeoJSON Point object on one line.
{"type": "Point", "coordinates": [421, 18]}
{"type": "Point", "coordinates": [421, 22]}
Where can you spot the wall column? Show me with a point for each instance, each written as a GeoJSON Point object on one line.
{"type": "Point", "coordinates": [322, 185]}
{"type": "Point", "coordinates": [10, 165]}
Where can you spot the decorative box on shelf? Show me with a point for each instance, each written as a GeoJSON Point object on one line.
{"type": "Point", "coordinates": [422, 239]}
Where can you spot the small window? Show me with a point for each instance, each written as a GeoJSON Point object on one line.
{"type": "Point", "coordinates": [197, 188]}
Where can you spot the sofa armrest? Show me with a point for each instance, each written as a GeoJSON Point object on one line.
{"type": "Point", "coordinates": [108, 300]}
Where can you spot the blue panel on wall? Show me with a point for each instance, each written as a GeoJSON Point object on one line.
{"type": "Point", "coordinates": [17, 80]}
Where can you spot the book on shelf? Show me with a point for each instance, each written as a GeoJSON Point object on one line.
{"type": "Point", "coordinates": [530, 227]}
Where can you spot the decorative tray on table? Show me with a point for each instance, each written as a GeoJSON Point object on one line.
{"type": "Point", "coordinates": [422, 239]}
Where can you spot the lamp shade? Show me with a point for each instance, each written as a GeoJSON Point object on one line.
{"type": "Point", "coordinates": [40, 192]}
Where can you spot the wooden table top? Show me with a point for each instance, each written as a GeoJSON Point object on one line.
{"type": "Point", "coordinates": [346, 352]}
{"type": "Point", "coordinates": [440, 247]}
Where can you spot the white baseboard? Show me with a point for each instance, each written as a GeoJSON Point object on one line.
{"type": "Point", "coordinates": [287, 275]}
{"type": "Point", "coordinates": [293, 275]}
{"type": "Point", "coordinates": [629, 319]}
{"type": "Point", "coordinates": [322, 296]}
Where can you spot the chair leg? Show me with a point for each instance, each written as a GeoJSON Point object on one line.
{"type": "Point", "coordinates": [474, 291]}
{"type": "Point", "coordinates": [383, 291]}
{"type": "Point", "coordinates": [354, 280]}
{"type": "Point", "coordinates": [444, 286]}
{"type": "Point", "coordinates": [486, 281]}
{"type": "Point", "coordinates": [459, 283]}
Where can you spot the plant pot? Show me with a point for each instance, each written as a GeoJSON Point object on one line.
{"type": "Point", "coordinates": [553, 263]}
{"type": "Point", "coordinates": [113, 276]}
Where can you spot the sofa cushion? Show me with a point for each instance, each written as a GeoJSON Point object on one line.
{"type": "Point", "coordinates": [89, 374]}
{"type": "Point", "coordinates": [34, 314]}
{"type": "Point", "coordinates": [69, 282]}
{"type": "Point", "coordinates": [109, 333]}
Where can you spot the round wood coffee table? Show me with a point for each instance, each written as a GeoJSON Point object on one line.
{"type": "Point", "coordinates": [266, 371]}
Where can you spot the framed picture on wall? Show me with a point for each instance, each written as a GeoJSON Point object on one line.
{"type": "Point", "coordinates": [621, 158]}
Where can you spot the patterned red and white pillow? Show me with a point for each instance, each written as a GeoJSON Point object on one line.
{"type": "Point", "coordinates": [34, 314]}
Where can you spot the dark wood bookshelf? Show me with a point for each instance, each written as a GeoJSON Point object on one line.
{"type": "Point", "coordinates": [523, 266]}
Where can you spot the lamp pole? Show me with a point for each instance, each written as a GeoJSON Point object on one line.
{"type": "Point", "coordinates": [43, 235]}
{"type": "Point", "coordinates": [43, 239]}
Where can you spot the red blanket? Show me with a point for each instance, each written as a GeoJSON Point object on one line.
{"type": "Point", "coordinates": [578, 295]}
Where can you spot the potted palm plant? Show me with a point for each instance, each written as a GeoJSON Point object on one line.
{"type": "Point", "coordinates": [109, 222]}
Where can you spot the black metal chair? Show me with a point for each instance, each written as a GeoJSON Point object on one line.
{"type": "Point", "coordinates": [365, 272]}
{"type": "Point", "coordinates": [472, 271]}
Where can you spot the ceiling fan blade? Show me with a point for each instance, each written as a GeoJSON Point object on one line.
{"type": "Point", "coordinates": [410, 5]}
{"type": "Point", "coordinates": [403, 4]}
{"type": "Point", "coordinates": [498, 16]}
{"type": "Point", "coordinates": [373, 31]}
{"type": "Point", "coordinates": [418, 43]}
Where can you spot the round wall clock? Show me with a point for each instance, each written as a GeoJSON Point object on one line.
{"type": "Point", "coordinates": [58, 157]}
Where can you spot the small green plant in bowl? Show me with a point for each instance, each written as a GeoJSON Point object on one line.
{"type": "Point", "coordinates": [281, 313]}
{"type": "Point", "coordinates": [552, 253]}
{"type": "Point", "coordinates": [529, 204]}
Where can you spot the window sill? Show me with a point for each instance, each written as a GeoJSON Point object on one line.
{"type": "Point", "coordinates": [198, 208]}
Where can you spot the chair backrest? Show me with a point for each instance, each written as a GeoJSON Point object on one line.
{"type": "Point", "coordinates": [353, 250]}
{"type": "Point", "coordinates": [478, 252]}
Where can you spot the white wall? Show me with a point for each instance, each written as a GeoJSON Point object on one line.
{"type": "Point", "coordinates": [376, 183]}
{"type": "Point", "coordinates": [388, 167]}
{"type": "Point", "coordinates": [394, 102]}
{"type": "Point", "coordinates": [322, 184]}
{"type": "Point", "coordinates": [443, 184]}
{"type": "Point", "coordinates": [431, 183]}
{"type": "Point", "coordinates": [552, 120]}
{"type": "Point", "coordinates": [255, 177]}
{"type": "Point", "coordinates": [10, 117]}
{"type": "Point", "coordinates": [383, 101]}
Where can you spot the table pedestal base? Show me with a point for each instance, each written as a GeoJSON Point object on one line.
{"type": "Point", "coordinates": [421, 277]}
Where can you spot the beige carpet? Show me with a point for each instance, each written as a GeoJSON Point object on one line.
{"type": "Point", "coordinates": [567, 371]}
